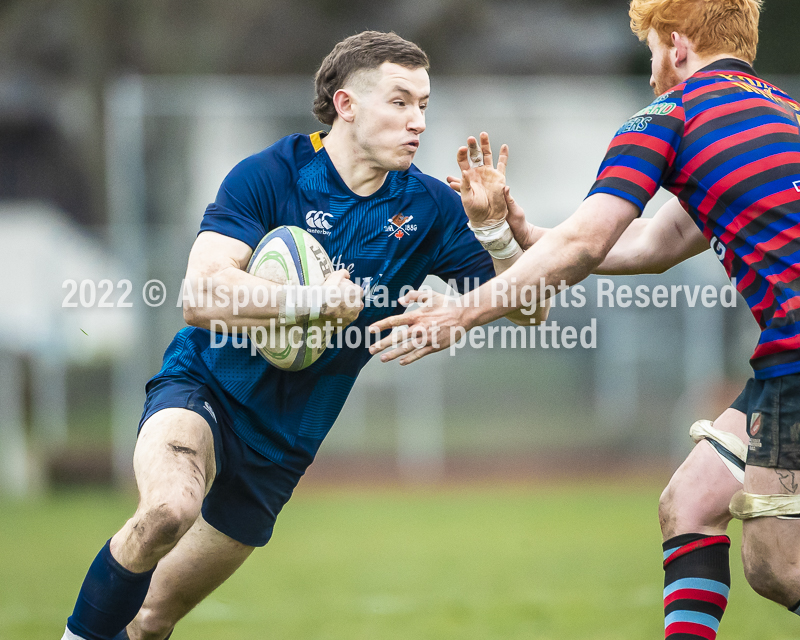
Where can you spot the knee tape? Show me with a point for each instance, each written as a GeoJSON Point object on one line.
{"type": "Point", "coordinates": [745, 506]}
{"type": "Point", "coordinates": [728, 446]}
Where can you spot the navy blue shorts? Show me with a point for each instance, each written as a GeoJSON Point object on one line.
{"type": "Point", "coordinates": [772, 408]}
{"type": "Point", "coordinates": [249, 490]}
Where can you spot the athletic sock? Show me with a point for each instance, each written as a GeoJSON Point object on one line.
{"type": "Point", "coordinates": [109, 599]}
{"type": "Point", "coordinates": [697, 580]}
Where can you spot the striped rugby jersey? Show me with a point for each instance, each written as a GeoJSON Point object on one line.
{"type": "Point", "coordinates": [727, 144]}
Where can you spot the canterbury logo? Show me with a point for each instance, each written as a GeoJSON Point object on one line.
{"type": "Point", "coordinates": [318, 220]}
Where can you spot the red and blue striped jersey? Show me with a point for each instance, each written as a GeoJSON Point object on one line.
{"type": "Point", "coordinates": [727, 144]}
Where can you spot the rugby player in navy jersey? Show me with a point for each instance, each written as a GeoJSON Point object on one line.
{"type": "Point", "coordinates": [727, 145]}
{"type": "Point", "coordinates": [225, 437]}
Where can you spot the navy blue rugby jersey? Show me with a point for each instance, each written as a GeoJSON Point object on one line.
{"type": "Point", "coordinates": [413, 226]}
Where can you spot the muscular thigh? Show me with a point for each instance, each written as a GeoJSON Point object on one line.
{"type": "Point", "coordinates": [174, 452]}
{"type": "Point", "coordinates": [697, 497]}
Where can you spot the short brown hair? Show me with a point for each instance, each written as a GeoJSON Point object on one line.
{"type": "Point", "coordinates": [713, 26]}
{"type": "Point", "coordinates": [365, 50]}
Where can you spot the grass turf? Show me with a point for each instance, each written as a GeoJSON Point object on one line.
{"type": "Point", "coordinates": [510, 562]}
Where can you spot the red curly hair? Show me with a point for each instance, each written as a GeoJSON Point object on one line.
{"type": "Point", "coordinates": [713, 26]}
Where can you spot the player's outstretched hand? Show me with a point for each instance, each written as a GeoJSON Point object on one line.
{"type": "Point", "coordinates": [481, 184]}
{"type": "Point", "coordinates": [342, 298]}
{"type": "Point", "coordinates": [434, 326]}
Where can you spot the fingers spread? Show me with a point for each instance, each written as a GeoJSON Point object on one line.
{"type": "Point", "coordinates": [413, 296]}
{"type": "Point", "coordinates": [502, 161]}
{"type": "Point", "coordinates": [462, 157]}
{"type": "Point", "coordinates": [401, 350]}
{"type": "Point", "coordinates": [416, 355]}
{"type": "Point", "coordinates": [391, 321]}
{"type": "Point", "coordinates": [455, 183]}
{"type": "Point", "coordinates": [486, 149]}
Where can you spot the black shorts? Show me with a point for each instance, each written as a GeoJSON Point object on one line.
{"type": "Point", "coordinates": [249, 490]}
{"type": "Point", "coordinates": [772, 408]}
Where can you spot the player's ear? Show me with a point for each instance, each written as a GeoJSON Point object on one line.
{"type": "Point", "coordinates": [680, 50]}
{"type": "Point", "coordinates": [344, 103]}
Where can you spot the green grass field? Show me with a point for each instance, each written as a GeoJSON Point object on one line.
{"type": "Point", "coordinates": [505, 562]}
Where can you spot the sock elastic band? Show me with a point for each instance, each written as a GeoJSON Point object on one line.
{"type": "Point", "coordinates": [695, 542]}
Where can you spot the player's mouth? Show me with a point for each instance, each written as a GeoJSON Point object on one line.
{"type": "Point", "coordinates": [412, 145]}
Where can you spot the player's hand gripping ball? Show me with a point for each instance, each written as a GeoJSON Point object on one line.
{"type": "Point", "coordinates": [291, 256]}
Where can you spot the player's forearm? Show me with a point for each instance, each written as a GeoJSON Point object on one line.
{"type": "Point", "coordinates": [629, 255]}
{"type": "Point", "coordinates": [526, 316]}
{"type": "Point", "coordinates": [566, 254]}
{"type": "Point", "coordinates": [556, 258]}
{"type": "Point", "coordinates": [230, 296]}
{"type": "Point", "coordinates": [533, 235]}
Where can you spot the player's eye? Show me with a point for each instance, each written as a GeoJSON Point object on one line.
{"type": "Point", "coordinates": [423, 106]}
{"type": "Point", "coordinates": [399, 103]}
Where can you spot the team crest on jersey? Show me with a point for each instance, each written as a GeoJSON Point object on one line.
{"type": "Point", "coordinates": [399, 226]}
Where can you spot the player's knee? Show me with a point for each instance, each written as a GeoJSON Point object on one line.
{"type": "Point", "coordinates": [164, 524]}
{"type": "Point", "coordinates": [675, 503]}
{"type": "Point", "coordinates": [666, 515]}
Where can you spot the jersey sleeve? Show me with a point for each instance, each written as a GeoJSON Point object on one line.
{"type": "Point", "coordinates": [642, 154]}
{"type": "Point", "coordinates": [243, 206]}
{"type": "Point", "coordinates": [461, 261]}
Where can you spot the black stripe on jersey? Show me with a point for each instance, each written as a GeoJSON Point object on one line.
{"type": "Point", "coordinates": [693, 96]}
{"type": "Point", "coordinates": [768, 313]}
{"type": "Point", "coordinates": [771, 258]}
{"type": "Point", "coordinates": [775, 359]}
{"type": "Point", "coordinates": [762, 220]}
{"type": "Point", "coordinates": [731, 153]}
{"type": "Point", "coordinates": [727, 120]}
{"type": "Point", "coordinates": [792, 315]}
{"type": "Point", "coordinates": [774, 256]}
{"type": "Point", "coordinates": [626, 186]}
{"type": "Point", "coordinates": [638, 151]}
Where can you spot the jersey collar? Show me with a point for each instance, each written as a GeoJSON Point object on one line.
{"type": "Point", "coordinates": [729, 64]}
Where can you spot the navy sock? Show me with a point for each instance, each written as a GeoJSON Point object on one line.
{"type": "Point", "coordinates": [109, 599]}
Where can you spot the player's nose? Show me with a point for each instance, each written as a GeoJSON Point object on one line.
{"type": "Point", "coordinates": [417, 122]}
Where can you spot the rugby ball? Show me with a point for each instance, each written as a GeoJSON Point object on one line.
{"type": "Point", "coordinates": [290, 256]}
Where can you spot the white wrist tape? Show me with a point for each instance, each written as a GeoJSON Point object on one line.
{"type": "Point", "coordinates": [497, 239]}
{"type": "Point", "coordinates": [297, 304]}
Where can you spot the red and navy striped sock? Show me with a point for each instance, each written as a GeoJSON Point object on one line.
{"type": "Point", "coordinates": [696, 584]}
